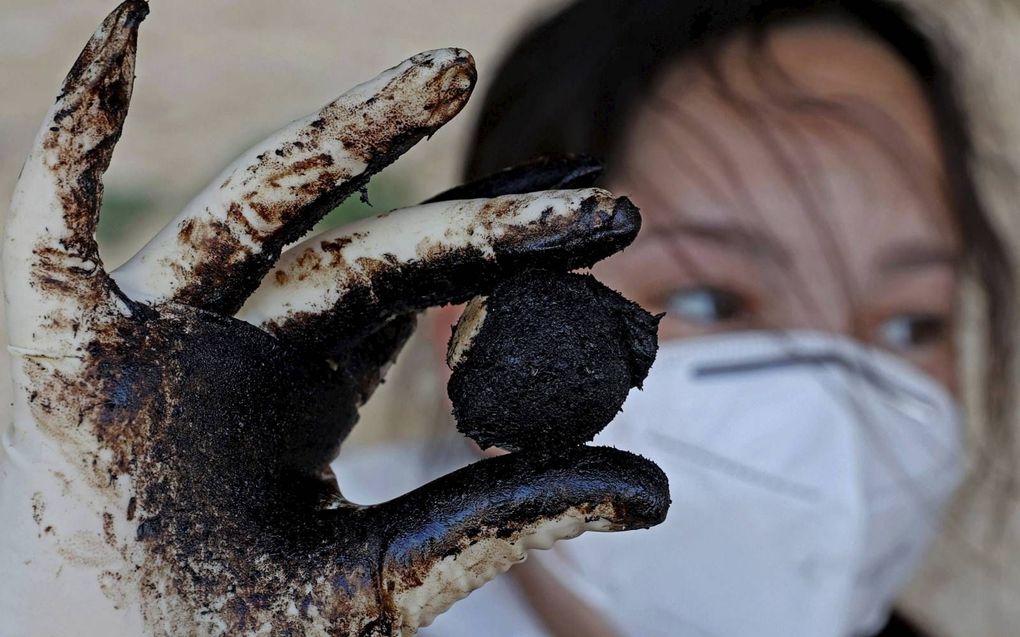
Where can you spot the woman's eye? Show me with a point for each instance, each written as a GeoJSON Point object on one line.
{"type": "Point", "coordinates": [912, 330]}
{"type": "Point", "coordinates": [706, 305]}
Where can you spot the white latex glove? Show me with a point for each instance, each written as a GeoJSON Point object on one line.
{"type": "Point", "coordinates": [167, 468]}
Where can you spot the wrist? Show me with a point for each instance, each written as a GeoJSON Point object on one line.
{"type": "Point", "coordinates": [68, 551]}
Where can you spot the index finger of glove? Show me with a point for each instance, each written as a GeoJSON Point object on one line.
{"type": "Point", "coordinates": [336, 287]}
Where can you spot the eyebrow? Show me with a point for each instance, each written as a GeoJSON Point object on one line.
{"type": "Point", "coordinates": [914, 255]}
{"type": "Point", "coordinates": [904, 256]}
{"type": "Point", "coordinates": [738, 237]}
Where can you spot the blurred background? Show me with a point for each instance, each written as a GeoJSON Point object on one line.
{"type": "Point", "coordinates": [215, 76]}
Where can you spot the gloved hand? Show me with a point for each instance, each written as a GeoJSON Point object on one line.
{"type": "Point", "coordinates": [167, 468]}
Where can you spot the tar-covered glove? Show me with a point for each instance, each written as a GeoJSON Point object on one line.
{"type": "Point", "coordinates": [166, 469]}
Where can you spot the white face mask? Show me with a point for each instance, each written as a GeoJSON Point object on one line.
{"type": "Point", "coordinates": [808, 475]}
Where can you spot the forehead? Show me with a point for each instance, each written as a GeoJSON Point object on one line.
{"type": "Point", "coordinates": [817, 130]}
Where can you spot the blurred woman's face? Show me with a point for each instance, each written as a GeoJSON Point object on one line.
{"type": "Point", "coordinates": [795, 183]}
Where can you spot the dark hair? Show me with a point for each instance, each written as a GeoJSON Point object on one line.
{"type": "Point", "coordinates": [572, 83]}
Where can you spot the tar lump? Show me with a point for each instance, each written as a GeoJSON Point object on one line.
{"type": "Point", "coordinates": [547, 360]}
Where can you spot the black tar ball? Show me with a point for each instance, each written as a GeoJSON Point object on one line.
{"type": "Point", "coordinates": [547, 360]}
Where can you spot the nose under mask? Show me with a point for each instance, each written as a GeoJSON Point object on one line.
{"type": "Point", "coordinates": [808, 475]}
